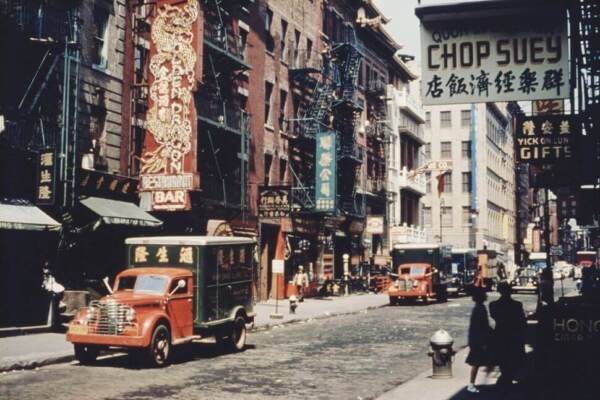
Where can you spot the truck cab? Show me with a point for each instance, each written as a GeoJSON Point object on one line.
{"type": "Point", "coordinates": [421, 273]}
{"type": "Point", "coordinates": [463, 270]}
{"type": "Point", "coordinates": [175, 290]}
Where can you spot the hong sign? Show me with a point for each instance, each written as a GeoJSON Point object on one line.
{"type": "Point", "coordinates": [46, 177]}
{"type": "Point", "coordinates": [168, 161]}
{"type": "Point", "coordinates": [500, 58]}
{"type": "Point", "coordinates": [274, 202]}
{"type": "Point", "coordinates": [546, 139]}
{"type": "Point", "coordinates": [325, 190]}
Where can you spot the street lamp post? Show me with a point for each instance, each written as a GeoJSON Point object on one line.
{"type": "Point", "coordinates": [441, 219]}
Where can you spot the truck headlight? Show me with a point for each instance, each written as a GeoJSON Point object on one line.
{"type": "Point", "coordinates": [130, 315]}
{"type": "Point", "coordinates": [415, 284]}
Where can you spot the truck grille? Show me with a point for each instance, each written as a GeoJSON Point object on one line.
{"type": "Point", "coordinates": [107, 317]}
{"type": "Point", "coordinates": [404, 285]}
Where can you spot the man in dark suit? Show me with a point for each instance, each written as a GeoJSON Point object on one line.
{"type": "Point", "coordinates": [509, 333]}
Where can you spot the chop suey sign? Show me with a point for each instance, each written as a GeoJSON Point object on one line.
{"type": "Point", "coordinates": [495, 59]}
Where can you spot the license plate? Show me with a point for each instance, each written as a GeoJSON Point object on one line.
{"type": "Point", "coordinates": [78, 329]}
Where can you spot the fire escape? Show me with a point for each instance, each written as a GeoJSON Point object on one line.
{"type": "Point", "coordinates": [223, 135]}
{"type": "Point", "coordinates": [377, 131]}
{"type": "Point", "coordinates": [346, 110]}
{"type": "Point", "coordinates": [332, 80]}
{"type": "Point", "coordinates": [47, 35]}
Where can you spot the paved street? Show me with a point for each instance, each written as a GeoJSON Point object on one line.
{"type": "Point", "coordinates": [358, 356]}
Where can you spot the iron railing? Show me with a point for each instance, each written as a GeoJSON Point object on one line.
{"type": "Point", "coordinates": [37, 19]}
{"type": "Point", "coordinates": [219, 36]}
{"type": "Point", "coordinates": [219, 113]}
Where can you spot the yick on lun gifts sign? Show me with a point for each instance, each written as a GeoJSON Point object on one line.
{"type": "Point", "coordinates": [168, 168]}
{"type": "Point", "coordinates": [495, 58]}
{"type": "Point", "coordinates": [546, 139]}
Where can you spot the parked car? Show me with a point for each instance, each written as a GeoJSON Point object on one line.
{"type": "Point", "coordinates": [175, 290]}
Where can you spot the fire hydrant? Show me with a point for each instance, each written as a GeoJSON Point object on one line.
{"type": "Point", "coordinates": [441, 354]}
{"type": "Point", "coordinates": [293, 304]}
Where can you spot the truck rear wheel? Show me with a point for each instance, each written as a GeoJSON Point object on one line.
{"type": "Point", "coordinates": [85, 354]}
{"type": "Point", "coordinates": [160, 346]}
{"type": "Point", "coordinates": [237, 337]}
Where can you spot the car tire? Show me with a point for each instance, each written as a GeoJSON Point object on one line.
{"type": "Point", "coordinates": [159, 350]}
{"type": "Point", "coordinates": [86, 354]}
{"type": "Point", "coordinates": [236, 341]}
{"type": "Point", "coordinates": [393, 301]}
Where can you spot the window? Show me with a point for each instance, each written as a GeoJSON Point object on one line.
{"type": "Point", "coordinates": [466, 216]}
{"type": "Point", "coordinates": [243, 39]}
{"type": "Point", "coordinates": [446, 150]}
{"type": "Point", "coordinates": [448, 182]}
{"type": "Point", "coordinates": [282, 169]}
{"type": "Point", "coordinates": [446, 216]}
{"type": "Point", "coordinates": [465, 118]}
{"type": "Point", "coordinates": [466, 182]}
{"type": "Point", "coordinates": [426, 216]}
{"type": "Point", "coordinates": [283, 34]}
{"type": "Point", "coordinates": [427, 119]}
{"type": "Point", "coordinates": [268, 162]}
{"type": "Point", "coordinates": [268, 92]}
{"type": "Point", "coordinates": [268, 22]}
{"type": "Point", "coordinates": [445, 119]}
{"type": "Point", "coordinates": [427, 151]}
{"type": "Point", "coordinates": [309, 45]}
{"type": "Point", "coordinates": [428, 181]}
{"type": "Point", "coordinates": [466, 149]}
{"type": "Point", "coordinates": [282, 103]}
{"type": "Point", "coordinates": [101, 15]}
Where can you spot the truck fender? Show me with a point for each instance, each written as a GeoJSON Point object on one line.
{"type": "Point", "coordinates": [148, 325]}
{"type": "Point", "coordinates": [238, 310]}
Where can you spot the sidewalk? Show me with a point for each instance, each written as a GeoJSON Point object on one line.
{"type": "Point", "coordinates": [34, 350]}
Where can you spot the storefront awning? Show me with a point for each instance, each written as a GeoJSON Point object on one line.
{"type": "Point", "coordinates": [115, 212]}
{"type": "Point", "coordinates": [26, 217]}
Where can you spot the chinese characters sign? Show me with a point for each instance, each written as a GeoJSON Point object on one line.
{"type": "Point", "coordinates": [544, 139]}
{"type": "Point", "coordinates": [46, 178]}
{"type": "Point", "coordinates": [325, 190]}
{"type": "Point", "coordinates": [495, 62]}
{"type": "Point", "coordinates": [156, 255]}
{"type": "Point", "coordinates": [274, 202]}
{"type": "Point", "coordinates": [169, 156]}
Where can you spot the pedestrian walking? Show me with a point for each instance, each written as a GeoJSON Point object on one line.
{"type": "Point", "coordinates": [301, 282]}
{"type": "Point", "coordinates": [479, 338]}
{"type": "Point", "coordinates": [509, 334]}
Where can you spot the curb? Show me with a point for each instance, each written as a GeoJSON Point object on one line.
{"type": "Point", "coordinates": [326, 315]}
{"type": "Point", "coordinates": [32, 364]}
{"type": "Point", "coordinates": [61, 358]}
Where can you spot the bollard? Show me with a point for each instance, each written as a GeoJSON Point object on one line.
{"type": "Point", "coordinates": [441, 354]}
{"type": "Point", "coordinates": [293, 304]}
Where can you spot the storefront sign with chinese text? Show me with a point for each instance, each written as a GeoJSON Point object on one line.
{"type": "Point", "coordinates": [156, 255]}
{"type": "Point", "coordinates": [169, 157]}
{"type": "Point", "coordinates": [110, 186]}
{"type": "Point", "coordinates": [274, 202]}
{"type": "Point", "coordinates": [499, 58]}
{"type": "Point", "coordinates": [325, 190]}
{"type": "Point", "coordinates": [46, 177]}
{"type": "Point", "coordinates": [545, 139]}
{"type": "Point", "coordinates": [375, 225]}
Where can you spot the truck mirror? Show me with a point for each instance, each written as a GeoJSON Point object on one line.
{"type": "Point", "coordinates": [180, 285]}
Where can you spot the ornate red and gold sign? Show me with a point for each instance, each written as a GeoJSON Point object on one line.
{"type": "Point", "coordinates": [169, 157]}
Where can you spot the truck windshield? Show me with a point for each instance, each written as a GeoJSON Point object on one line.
{"type": "Point", "coordinates": [538, 264]}
{"type": "Point", "coordinates": [417, 270]}
{"type": "Point", "coordinates": [143, 284]}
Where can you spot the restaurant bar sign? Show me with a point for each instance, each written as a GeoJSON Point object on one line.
{"type": "Point", "coordinates": [545, 139]}
{"type": "Point", "coordinates": [46, 177]}
{"type": "Point", "coordinates": [168, 162]}
{"type": "Point", "coordinates": [494, 56]}
{"type": "Point", "coordinates": [274, 202]}
{"type": "Point", "coordinates": [325, 190]}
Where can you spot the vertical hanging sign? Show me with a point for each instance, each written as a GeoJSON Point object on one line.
{"type": "Point", "coordinates": [168, 160]}
{"type": "Point", "coordinates": [325, 190]}
{"type": "Point", "coordinates": [45, 183]}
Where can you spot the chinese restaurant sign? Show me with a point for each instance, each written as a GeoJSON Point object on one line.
{"type": "Point", "coordinates": [169, 156]}
{"type": "Point", "coordinates": [274, 202]}
{"type": "Point", "coordinates": [325, 190]}
{"type": "Point", "coordinates": [495, 59]}
{"type": "Point", "coordinates": [46, 177]}
{"type": "Point", "coordinates": [545, 139]}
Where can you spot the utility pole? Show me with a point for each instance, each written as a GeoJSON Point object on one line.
{"type": "Point", "coordinates": [441, 219]}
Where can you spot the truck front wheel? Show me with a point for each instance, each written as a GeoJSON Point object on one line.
{"type": "Point", "coordinates": [85, 354]}
{"type": "Point", "coordinates": [160, 346]}
{"type": "Point", "coordinates": [237, 338]}
{"type": "Point", "coordinates": [393, 301]}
